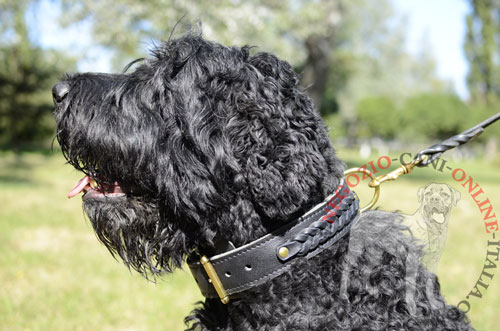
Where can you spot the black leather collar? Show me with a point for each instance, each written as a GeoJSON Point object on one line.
{"type": "Point", "coordinates": [227, 274]}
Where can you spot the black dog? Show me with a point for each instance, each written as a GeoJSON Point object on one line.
{"type": "Point", "coordinates": [204, 144]}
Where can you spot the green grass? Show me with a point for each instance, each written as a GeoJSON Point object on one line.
{"type": "Point", "coordinates": [54, 274]}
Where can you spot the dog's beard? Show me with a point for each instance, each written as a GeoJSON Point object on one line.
{"type": "Point", "coordinates": [133, 229]}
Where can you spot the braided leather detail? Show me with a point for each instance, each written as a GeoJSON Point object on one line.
{"type": "Point", "coordinates": [322, 230]}
{"type": "Point", "coordinates": [435, 151]}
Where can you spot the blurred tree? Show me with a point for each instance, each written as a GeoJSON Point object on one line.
{"type": "Point", "coordinates": [383, 66]}
{"type": "Point", "coordinates": [346, 50]}
{"type": "Point", "coordinates": [328, 41]}
{"type": "Point", "coordinates": [482, 48]}
{"type": "Point", "coordinates": [303, 32]}
{"type": "Point", "coordinates": [27, 74]}
{"type": "Point", "coordinates": [378, 117]}
{"type": "Point", "coordinates": [434, 116]}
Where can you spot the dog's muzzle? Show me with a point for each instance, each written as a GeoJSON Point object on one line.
{"type": "Point", "coordinates": [227, 274]}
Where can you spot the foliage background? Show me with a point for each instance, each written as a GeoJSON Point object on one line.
{"type": "Point", "coordinates": [378, 99]}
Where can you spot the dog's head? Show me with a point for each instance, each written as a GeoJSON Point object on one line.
{"type": "Point", "coordinates": [200, 143]}
{"type": "Point", "coordinates": [436, 201]}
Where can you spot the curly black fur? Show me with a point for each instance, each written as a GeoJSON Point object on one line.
{"type": "Point", "coordinates": [211, 142]}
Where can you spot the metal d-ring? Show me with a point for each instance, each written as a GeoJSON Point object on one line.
{"type": "Point", "coordinates": [367, 172]}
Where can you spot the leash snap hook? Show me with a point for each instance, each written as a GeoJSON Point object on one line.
{"type": "Point", "coordinates": [393, 175]}
{"type": "Point", "coordinates": [396, 173]}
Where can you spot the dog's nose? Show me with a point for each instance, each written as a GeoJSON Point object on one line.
{"type": "Point", "coordinates": [59, 91]}
{"type": "Point", "coordinates": [435, 199]}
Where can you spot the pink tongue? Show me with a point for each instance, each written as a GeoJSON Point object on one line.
{"type": "Point", "coordinates": [79, 187]}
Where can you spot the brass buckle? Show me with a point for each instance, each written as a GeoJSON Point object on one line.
{"type": "Point", "coordinates": [214, 279]}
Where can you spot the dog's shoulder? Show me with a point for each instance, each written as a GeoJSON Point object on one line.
{"type": "Point", "coordinates": [384, 232]}
{"type": "Point", "coordinates": [380, 224]}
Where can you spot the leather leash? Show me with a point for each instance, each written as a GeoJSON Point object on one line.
{"type": "Point", "coordinates": [423, 158]}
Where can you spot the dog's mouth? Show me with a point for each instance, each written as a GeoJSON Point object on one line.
{"type": "Point", "coordinates": [437, 212]}
{"type": "Point", "coordinates": [95, 189]}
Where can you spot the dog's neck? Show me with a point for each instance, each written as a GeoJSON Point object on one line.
{"type": "Point", "coordinates": [277, 301]}
{"type": "Point", "coordinates": [235, 271]}
{"type": "Point", "coordinates": [346, 287]}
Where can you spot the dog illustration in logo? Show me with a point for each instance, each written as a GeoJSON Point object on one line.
{"type": "Point", "coordinates": [430, 222]}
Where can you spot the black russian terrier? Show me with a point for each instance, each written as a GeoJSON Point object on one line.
{"type": "Point", "coordinates": [215, 155]}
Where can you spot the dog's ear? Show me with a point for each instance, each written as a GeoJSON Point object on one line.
{"type": "Point", "coordinates": [420, 193]}
{"type": "Point", "coordinates": [244, 145]}
{"type": "Point", "coordinates": [279, 140]}
{"type": "Point", "coordinates": [455, 195]}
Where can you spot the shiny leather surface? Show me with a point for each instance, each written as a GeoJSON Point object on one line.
{"type": "Point", "coordinates": [258, 261]}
